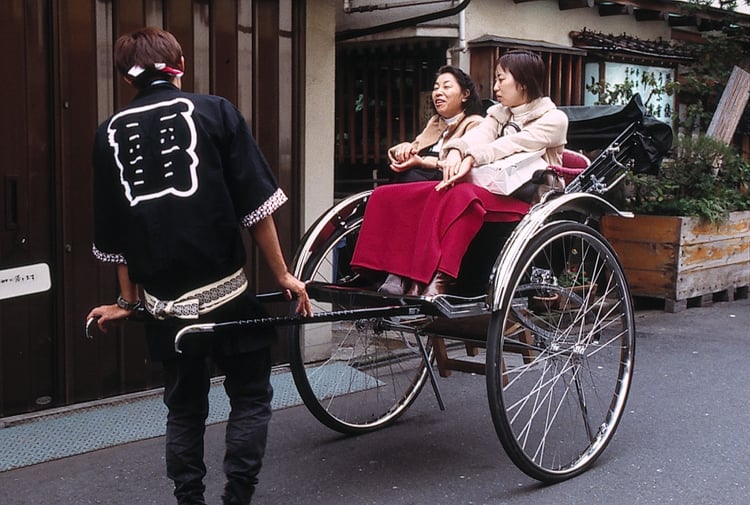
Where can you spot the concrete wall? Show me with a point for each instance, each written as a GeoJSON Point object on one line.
{"type": "Point", "coordinates": [542, 20]}
{"type": "Point", "coordinates": [319, 133]}
{"type": "Point", "coordinates": [538, 20]}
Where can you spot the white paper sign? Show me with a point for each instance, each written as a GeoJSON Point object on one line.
{"type": "Point", "coordinates": [24, 280]}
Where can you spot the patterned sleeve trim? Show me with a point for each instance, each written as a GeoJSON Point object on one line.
{"type": "Point", "coordinates": [108, 257]}
{"type": "Point", "coordinates": [268, 207]}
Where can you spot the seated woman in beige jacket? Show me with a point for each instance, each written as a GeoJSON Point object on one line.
{"type": "Point", "coordinates": [458, 106]}
{"type": "Point", "coordinates": [418, 233]}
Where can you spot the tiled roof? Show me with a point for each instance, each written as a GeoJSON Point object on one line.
{"type": "Point", "coordinates": [626, 45]}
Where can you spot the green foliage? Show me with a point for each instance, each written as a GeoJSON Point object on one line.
{"type": "Point", "coordinates": [704, 178]}
{"type": "Point", "coordinates": [702, 81]}
{"type": "Point", "coordinates": [692, 6]}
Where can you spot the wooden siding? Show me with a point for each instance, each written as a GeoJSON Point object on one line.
{"type": "Point", "coordinates": [378, 94]}
{"type": "Point", "coordinates": [564, 73]}
{"type": "Point", "coordinates": [27, 340]}
{"type": "Point", "coordinates": [64, 85]}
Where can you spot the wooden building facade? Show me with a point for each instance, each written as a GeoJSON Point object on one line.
{"type": "Point", "coordinates": [60, 84]}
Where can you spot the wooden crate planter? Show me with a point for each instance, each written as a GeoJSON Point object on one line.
{"type": "Point", "coordinates": [681, 258]}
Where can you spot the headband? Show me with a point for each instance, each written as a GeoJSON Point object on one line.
{"type": "Point", "coordinates": [137, 70]}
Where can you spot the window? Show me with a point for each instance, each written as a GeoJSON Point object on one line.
{"type": "Point", "coordinates": [564, 66]}
{"type": "Point", "coordinates": [383, 97]}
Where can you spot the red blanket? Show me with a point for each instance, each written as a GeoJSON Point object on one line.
{"type": "Point", "coordinates": [413, 231]}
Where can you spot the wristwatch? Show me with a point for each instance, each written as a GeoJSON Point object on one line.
{"type": "Point", "coordinates": [124, 304]}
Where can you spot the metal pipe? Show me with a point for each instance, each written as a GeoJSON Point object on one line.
{"type": "Point", "coordinates": [462, 31]}
{"type": "Point", "coordinates": [461, 47]}
{"type": "Point", "coordinates": [318, 317]}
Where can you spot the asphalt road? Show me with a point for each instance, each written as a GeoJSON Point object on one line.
{"type": "Point", "coordinates": [684, 439]}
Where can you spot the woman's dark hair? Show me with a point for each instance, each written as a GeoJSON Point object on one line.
{"type": "Point", "coordinates": [145, 48]}
{"type": "Point", "coordinates": [527, 69]}
{"type": "Point", "coordinates": [473, 104]}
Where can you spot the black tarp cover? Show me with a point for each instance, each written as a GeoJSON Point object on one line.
{"type": "Point", "coordinates": [594, 127]}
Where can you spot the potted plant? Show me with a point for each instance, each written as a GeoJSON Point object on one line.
{"type": "Point", "coordinates": [691, 234]}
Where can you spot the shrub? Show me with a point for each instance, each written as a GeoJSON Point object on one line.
{"type": "Point", "coordinates": [703, 177]}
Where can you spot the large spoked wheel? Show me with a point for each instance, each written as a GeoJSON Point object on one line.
{"type": "Point", "coordinates": [560, 352]}
{"type": "Point", "coordinates": [358, 375]}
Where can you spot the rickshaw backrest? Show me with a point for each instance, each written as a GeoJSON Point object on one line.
{"type": "Point", "coordinates": [594, 127]}
{"type": "Point", "coordinates": [573, 164]}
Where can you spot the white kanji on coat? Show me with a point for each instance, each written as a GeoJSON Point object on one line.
{"type": "Point", "coordinates": [154, 148]}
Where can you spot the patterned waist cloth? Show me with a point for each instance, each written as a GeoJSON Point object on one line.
{"type": "Point", "coordinates": [198, 301]}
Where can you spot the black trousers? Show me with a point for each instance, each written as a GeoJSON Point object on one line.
{"type": "Point", "coordinates": [418, 174]}
{"type": "Point", "coordinates": [187, 383]}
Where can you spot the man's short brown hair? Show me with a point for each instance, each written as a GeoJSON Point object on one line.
{"type": "Point", "coordinates": [145, 48]}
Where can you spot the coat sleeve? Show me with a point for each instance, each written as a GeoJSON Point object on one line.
{"type": "Point", "coordinates": [252, 185]}
{"type": "Point", "coordinates": [548, 131]}
{"type": "Point", "coordinates": [109, 204]}
{"type": "Point", "coordinates": [483, 133]}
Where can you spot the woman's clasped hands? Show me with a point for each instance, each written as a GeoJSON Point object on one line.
{"type": "Point", "coordinates": [403, 157]}
{"type": "Point", "coordinates": [455, 167]}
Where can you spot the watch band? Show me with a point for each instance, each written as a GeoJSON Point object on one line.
{"type": "Point", "coordinates": [124, 304]}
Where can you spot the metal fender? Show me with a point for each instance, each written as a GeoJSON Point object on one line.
{"type": "Point", "coordinates": [338, 215]}
{"type": "Point", "coordinates": [585, 206]}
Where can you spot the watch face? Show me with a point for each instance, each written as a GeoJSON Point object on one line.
{"type": "Point", "coordinates": [123, 304]}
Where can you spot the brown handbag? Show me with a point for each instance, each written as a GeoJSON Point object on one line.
{"type": "Point", "coordinates": [542, 182]}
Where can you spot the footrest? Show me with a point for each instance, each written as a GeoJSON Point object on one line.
{"type": "Point", "coordinates": [449, 306]}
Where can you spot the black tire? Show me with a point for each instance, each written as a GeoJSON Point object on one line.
{"type": "Point", "coordinates": [359, 375]}
{"type": "Point", "coordinates": [560, 359]}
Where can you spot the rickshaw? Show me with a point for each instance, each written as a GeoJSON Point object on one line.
{"type": "Point", "coordinates": [545, 297]}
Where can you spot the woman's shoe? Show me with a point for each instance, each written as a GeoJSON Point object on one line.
{"type": "Point", "coordinates": [440, 284]}
{"type": "Point", "coordinates": [394, 285]}
{"type": "Point", "coordinates": [415, 289]}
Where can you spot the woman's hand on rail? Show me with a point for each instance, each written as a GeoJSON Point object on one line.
{"type": "Point", "coordinates": [452, 175]}
{"type": "Point", "coordinates": [294, 287]}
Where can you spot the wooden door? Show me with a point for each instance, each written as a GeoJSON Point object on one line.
{"type": "Point", "coordinates": [27, 341]}
{"type": "Point", "coordinates": [60, 86]}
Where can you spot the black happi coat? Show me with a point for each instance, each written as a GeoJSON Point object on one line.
{"type": "Point", "coordinates": [176, 175]}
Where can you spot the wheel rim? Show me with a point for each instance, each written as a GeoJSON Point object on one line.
{"type": "Point", "coordinates": [568, 355]}
{"type": "Point", "coordinates": [354, 375]}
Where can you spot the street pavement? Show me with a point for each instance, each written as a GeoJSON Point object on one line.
{"type": "Point", "coordinates": [684, 439]}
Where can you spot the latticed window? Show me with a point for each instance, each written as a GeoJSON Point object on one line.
{"type": "Point", "coordinates": [382, 98]}
{"type": "Point", "coordinates": [565, 84]}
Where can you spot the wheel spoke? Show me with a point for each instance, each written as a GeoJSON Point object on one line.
{"type": "Point", "coordinates": [354, 376]}
{"type": "Point", "coordinates": [556, 407]}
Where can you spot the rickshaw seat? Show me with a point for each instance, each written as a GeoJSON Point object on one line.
{"type": "Point", "coordinates": [481, 255]}
{"type": "Point", "coordinates": [485, 247]}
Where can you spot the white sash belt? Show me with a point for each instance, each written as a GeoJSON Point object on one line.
{"type": "Point", "coordinates": [198, 301]}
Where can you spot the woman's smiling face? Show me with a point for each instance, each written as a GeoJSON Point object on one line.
{"type": "Point", "coordinates": [447, 95]}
